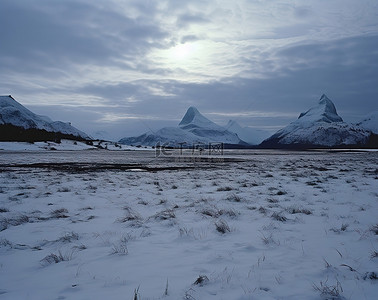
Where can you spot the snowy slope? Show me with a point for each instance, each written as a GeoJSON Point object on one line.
{"type": "Point", "coordinates": [13, 113]}
{"type": "Point", "coordinates": [370, 122]}
{"type": "Point", "coordinates": [66, 145]}
{"type": "Point", "coordinates": [67, 128]}
{"type": "Point", "coordinates": [247, 134]}
{"type": "Point", "coordinates": [193, 128]}
{"type": "Point", "coordinates": [319, 126]}
{"type": "Point", "coordinates": [277, 225]}
{"type": "Point", "coordinates": [171, 135]}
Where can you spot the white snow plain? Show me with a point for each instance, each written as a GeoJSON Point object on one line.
{"type": "Point", "coordinates": [269, 225]}
{"type": "Point", "coordinates": [65, 145]}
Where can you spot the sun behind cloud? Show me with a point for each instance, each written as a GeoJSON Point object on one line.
{"type": "Point", "coordinates": [190, 57]}
{"type": "Point", "coordinates": [197, 60]}
{"type": "Point", "coordinates": [184, 51]}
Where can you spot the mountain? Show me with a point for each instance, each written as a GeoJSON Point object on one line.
{"type": "Point", "coordinates": [370, 122]}
{"type": "Point", "coordinates": [167, 135]}
{"type": "Point", "coordinates": [193, 128]}
{"type": "Point", "coordinates": [320, 126]}
{"type": "Point", "coordinates": [247, 134]}
{"type": "Point", "coordinates": [18, 123]}
{"type": "Point", "coordinates": [196, 123]}
{"type": "Point", "coordinates": [194, 119]}
{"type": "Point", "coordinates": [325, 111]}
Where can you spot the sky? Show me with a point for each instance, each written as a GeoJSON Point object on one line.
{"type": "Point", "coordinates": [121, 68]}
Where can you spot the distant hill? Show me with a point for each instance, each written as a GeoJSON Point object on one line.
{"type": "Point", "coordinates": [370, 122]}
{"type": "Point", "coordinates": [17, 123]}
{"type": "Point", "coordinates": [249, 135]}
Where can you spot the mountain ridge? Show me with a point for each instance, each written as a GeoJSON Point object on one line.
{"type": "Point", "coordinates": [193, 128]}
{"type": "Point", "coordinates": [370, 122]}
{"type": "Point", "coordinates": [18, 122]}
{"type": "Point", "coordinates": [320, 126]}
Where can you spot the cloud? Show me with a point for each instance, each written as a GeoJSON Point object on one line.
{"type": "Point", "coordinates": [189, 38]}
{"type": "Point", "coordinates": [114, 94]}
{"type": "Point", "coordinates": [37, 39]}
{"type": "Point", "coordinates": [346, 70]}
{"type": "Point", "coordinates": [261, 62]}
{"type": "Point", "coordinates": [303, 12]}
{"type": "Point", "coordinates": [66, 33]}
{"type": "Point", "coordinates": [185, 20]}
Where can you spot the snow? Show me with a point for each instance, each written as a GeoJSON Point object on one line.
{"type": "Point", "coordinates": [171, 135]}
{"type": "Point", "coordinates": [297, 221]}
{"type": "Point", "coordinates": [65, 145]}
{"type": "Point", "coordinates": [40, 146]}
{"type": "Point", "coordinates": [12, 112]}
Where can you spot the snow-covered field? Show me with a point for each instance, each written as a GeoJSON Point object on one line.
{"type": "Point", "coordinates": [64, 145]}
{"type": "Point", "coordinates": [269, 225]}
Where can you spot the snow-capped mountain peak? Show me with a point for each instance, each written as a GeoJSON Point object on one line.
{"type": "Point", "coordinates": [191, 113]}
{"type": "Point", "coordinates": [320, 126]}
{"type": "Point", "coordinates": [194, 122]}
{"type": "Point", "coordinates": [325, 111]}
{"type": "Point", "coordinates": [193, 118]}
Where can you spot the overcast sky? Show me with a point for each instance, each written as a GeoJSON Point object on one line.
{"type": "Point", "coordinates": [126, 67]}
